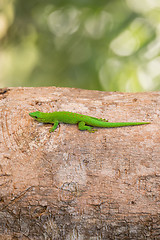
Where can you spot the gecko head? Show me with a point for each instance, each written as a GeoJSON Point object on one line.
{"type": "Point", "coordinates": [38, 116]}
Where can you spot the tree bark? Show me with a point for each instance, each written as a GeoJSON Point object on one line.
{"type": "Point", "coordinates": [73, 184]}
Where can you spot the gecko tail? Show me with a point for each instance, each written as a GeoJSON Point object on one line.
{"type": "Point", "coordinates": [117, 124]}
{"type": "Point", "coordinates": [124, 124]}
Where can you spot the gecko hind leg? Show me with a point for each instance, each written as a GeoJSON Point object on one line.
{"type": "Point", "coordinates": [82, 127]}
{"type": "Point", "coordinates": [100, 119]}
{"type": "Point", "coordinates": [103, 119]}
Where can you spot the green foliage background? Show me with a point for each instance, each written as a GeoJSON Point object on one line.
{"type": "Point", "coordinates": [104, 45]}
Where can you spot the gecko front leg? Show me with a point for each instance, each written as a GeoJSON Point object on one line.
{"type": "Point", "coordinates": [54, 126]}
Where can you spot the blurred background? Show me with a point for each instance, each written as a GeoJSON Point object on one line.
{"type": "Point", "coordinates": [109, 45]}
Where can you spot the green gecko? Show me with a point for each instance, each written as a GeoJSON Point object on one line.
{"type": "Point", "coordinates": [84, 122]}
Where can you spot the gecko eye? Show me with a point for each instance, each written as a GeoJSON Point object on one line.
{"type": "Point", "coordinates": [36, 117]}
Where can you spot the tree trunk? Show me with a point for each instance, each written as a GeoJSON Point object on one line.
{"type": "Point", "coordinates": [72, 184]}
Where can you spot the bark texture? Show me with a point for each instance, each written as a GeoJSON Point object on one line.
{"type": "Point", "coordinates": [79, 185]}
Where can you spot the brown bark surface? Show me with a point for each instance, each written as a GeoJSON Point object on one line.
{"type": "Point", "coordinates": [73, 184]}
